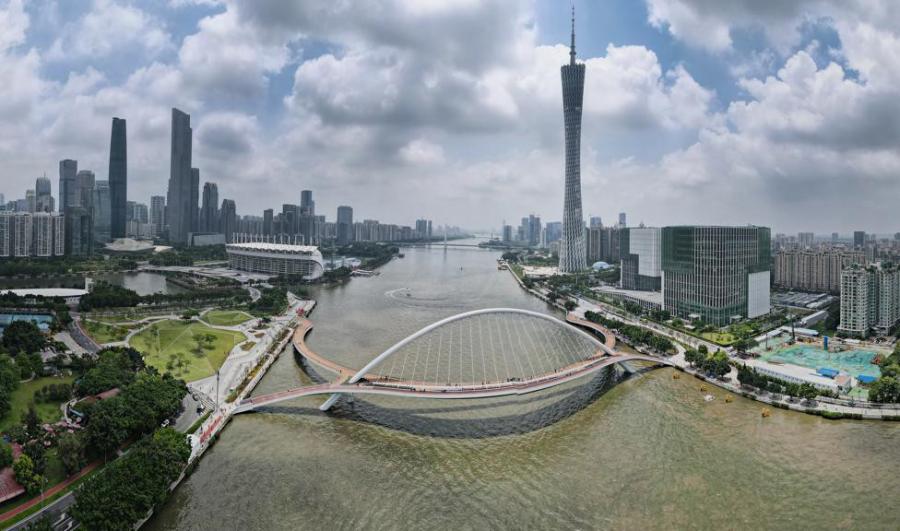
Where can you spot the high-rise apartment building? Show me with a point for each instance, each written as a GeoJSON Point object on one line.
{"type": "Point", "coordinates": [870, 299]}
{"type": "Point", "coordinates": [859, 239]}
{"type": "Point", "coordinates": [23, 234]}
{"type": "Point", "coordinates": [813, 270]}
{"type": "Point", "coordinates": [806, 239]}
{"type": "Point", "coordinates": [180, 213]}
{"type": "Point", "coordinates": [641, 256]}
{"type": "Point", "coordinates": [118, 179]}
{"type": "Point", "coordinates": [344, 227]}
{"type": "Point", "coordinates": [716, 274]}
{"type": "Point", "coordinates": [209, 212]}
{"type": "Point", "coordinates": [572, 252]}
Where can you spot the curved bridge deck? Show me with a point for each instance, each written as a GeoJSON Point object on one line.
{"type": "Point", "coordinates": [447, 392]}
{"type": "Point", "coordinates": [359, 382]}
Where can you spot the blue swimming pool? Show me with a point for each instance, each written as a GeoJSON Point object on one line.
{"type": "Point", "coordinates": [854, 362]}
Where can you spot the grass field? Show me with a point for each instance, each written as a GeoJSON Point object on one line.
{"type": "Point", "coordinates": [106, 333]}
{"type": "Point", "coordinates": [226, 317]}
{"type": "Point", "coordinates": [721, 338]}
{"type": "Point", "coordinates": [24, 395]}
{"type": "Point", "coordinates": [189, 350]}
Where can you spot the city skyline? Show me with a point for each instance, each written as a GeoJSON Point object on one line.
{"type": "Point", "coordinates": [738, 112]}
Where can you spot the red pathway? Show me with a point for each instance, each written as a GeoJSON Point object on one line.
{"type": "Point", "coordinates": [48, 493]}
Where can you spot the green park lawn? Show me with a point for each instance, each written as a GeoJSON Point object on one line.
{"type": "Point", "coordinates": [106, 333]}
{"type": "Point", "coordinates": [24, 395]}
{"type": "Point", "coordinates": [226, 317]}
{"type": "Point", "coordinates": [189, 350]}
{"type": "Point", "coordinates": [721, 338]}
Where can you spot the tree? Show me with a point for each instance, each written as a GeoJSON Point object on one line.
{"type": "Point", "coordinates": [109, 424]}
{"type": "Point", "coordinates": [44, 523]}
{"type": "Point", "coordinates": [570, 305]}
{"type": "Point", "coordinates": [23, 337]}
{"type": "Point", "coordinates": [115, 368]}
{"type": "Point", "coordinates": [885, 389]}
{"type": "Point", "coordinates": [35, 450]}
{"type": "Point", "coordinates": [23, 469]}
{"type": "Point", "coordinates": [807, 391]}
{"type": "Point", "coordinates": [71, 449]}
{"type": "Point", "coordinates": [6, 455]}
{"type": "Point", "coordinates": [693, 357]}
{"type": "Point", "coordinates": [32, 423]}
{"type": "Point", "coordinates": [717, 364]}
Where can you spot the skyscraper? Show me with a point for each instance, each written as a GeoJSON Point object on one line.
{"type": "Point", "coordinates": [344, 225]}
{"type": "Point", "coordinates": [102, 206]}
{"type": "Point", "coordinates": [268, 218]}
{"type": "Point", "coordinates": [228, 219]}
{"type": "Point", "coordinates": [67, 170]}
{"type": "Point", "coordinates": [158, 214]}
{"type": "Point", "coordinates": [179, 213]}
{"type": "Point", "coordinates": [623, 221]}
{"type": "Point", "coordinates": [572, 254]}
{"type": "Point", "coordinates": [307, 205]}
{"type": "Point", "coordinates": [716, 274]}
{"type": "Point", "coordinates": [118, 179]}
{"type": "Point", "coordinates": [209, 212]}
{"type": "Point", "coordinates": [195, 200]}
{"type": "Point", "coordinates": [43, 196]}
{"type": "Point", "coordinates": [859, 239]}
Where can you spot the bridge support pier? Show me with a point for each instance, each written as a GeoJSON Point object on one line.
{"type": "Point", "coordinates": [330, 402]}
{"type": "Point", "coordinates": [627, 368]}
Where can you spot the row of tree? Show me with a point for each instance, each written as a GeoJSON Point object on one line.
{"type": "Point", "coordinates": [712, 363]}
{"type": "Point", "coordinates": [125, 491]}
{"type": "Point", "coordinates": [56, 266]}
{"type": "Point", "coordinates": [105, 295]}
{"type": "Point", "coordinates": [750, 377]}
{"type": "Point", "coordinates": [635, 334]}
{"type": "Point", "coordinates": [272, 301]}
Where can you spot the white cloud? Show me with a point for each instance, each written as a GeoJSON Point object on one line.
{"type": "Point", "coordinates": [108, 28]}
{"type": "Point", "coordinates": [14, 22]}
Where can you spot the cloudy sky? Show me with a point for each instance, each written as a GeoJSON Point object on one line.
{"type": "Point", "coordinates": [772, 112]}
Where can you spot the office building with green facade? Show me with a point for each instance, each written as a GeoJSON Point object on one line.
{"type": "Point", "coordinates": [716, 274]}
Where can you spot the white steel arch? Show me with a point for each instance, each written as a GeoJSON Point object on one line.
{"type": "Point", "coordinates": [486, 311]}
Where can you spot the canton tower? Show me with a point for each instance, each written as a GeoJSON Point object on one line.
{"type": "Point", "coordinates": [572, 253]}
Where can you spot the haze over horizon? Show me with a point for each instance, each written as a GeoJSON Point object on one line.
{"type": "Point", "coordinates": [781, 114]}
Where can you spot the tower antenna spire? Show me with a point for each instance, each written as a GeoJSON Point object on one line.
{"type": "Point", "coordinates": [572, 47]}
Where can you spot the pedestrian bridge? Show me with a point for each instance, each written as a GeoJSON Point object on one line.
{"type": "Point", "coordinates": [479, 354]}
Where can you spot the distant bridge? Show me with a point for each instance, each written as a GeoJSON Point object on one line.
{"type": "Point", "coordinates": [479, 354]}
